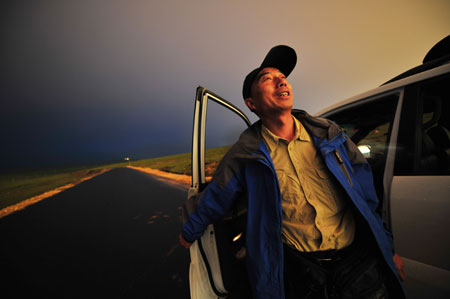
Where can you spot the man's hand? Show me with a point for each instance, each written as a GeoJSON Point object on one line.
{"type": "Point", "coordinates": [183, 242]}
{"type": "Point", "coordinates": [399, 265]}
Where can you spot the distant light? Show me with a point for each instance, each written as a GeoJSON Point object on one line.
{"type": "Point", "coordinates": [127, 159]}
{"type": "Point", "coordinates": [237, 237]}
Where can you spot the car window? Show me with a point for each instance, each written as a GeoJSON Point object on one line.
{"type": "Point", "coordinates": [369, 126]}
{"type": "Point", "coordinates": [223, 128]}
{"type": "Point", "coordinates": [425, 129]}
{"type": "Point", "coordinates": [208, 146]}
{"type": "Point", "coordinates": [435, 146]}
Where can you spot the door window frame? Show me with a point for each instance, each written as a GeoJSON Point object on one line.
{"type": "Point", "coordinates": [198, 133]}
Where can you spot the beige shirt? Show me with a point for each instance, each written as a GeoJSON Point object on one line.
{"type": "Point", "coordinates": [316, 215]}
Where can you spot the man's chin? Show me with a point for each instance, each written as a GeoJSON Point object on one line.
{"type": "Point", "coordinates": [284, 109]}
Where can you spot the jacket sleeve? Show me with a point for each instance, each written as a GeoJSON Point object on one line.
{"type": "Point", "coordinates": [363, 174]}
{"type": "Point", "coordinates": [215, 202]}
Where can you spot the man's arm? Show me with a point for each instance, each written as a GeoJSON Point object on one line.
{"type": "Point", "coordinates": [214, 203]}
{"type": "Point", "coordinates": [398, 261]}
{"type": "Point", "coordinates": [183, 242]}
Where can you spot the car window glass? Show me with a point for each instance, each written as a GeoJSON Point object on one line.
{"type": "Point", "coordinates": [369, 126]}
{"type": "Point", "coordinates": [434, 133]}
{"type": "Point", "coordinates": [223, 128]}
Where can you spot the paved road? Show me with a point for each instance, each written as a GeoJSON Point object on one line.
{"type": "Point", "coordinates": [114, 236]}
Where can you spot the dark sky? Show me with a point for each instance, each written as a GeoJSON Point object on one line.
{"type": "Point", "coordinates": [87, 81]}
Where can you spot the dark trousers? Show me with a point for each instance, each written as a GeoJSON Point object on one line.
{"type": "Point", "coordinates": [352, 272]}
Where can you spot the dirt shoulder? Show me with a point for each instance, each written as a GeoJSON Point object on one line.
{"type": "Point", "coordinates": [180, 181]}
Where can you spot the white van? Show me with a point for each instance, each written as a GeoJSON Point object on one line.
{"type": "Point", "coordinates": [403, 129]}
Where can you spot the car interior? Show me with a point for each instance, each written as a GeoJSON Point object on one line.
{"type": "Point", "coordinates": [435, 155]}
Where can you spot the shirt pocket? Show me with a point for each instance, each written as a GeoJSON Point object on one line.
{"type": "Point", "coordinates": [327, 193]}
{"type": "Point", "coordinates": [289, 185]}
{"type": "Point", "coordinates": [289, 188]}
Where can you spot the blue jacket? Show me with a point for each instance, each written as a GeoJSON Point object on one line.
{"type": "Point", "coordinates": [248, 169]}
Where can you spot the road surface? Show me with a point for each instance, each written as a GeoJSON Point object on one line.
{"type": "Point", "coordinates": [114, 236]}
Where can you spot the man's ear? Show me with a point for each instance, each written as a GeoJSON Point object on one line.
{"type": "Point", "coordinates": [250, 104]}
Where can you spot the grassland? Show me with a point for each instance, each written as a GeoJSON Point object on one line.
{"type": "Point", "coordinates": [18, 186]}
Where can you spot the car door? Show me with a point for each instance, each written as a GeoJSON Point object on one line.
{"type": "Point", "coordinates": [214, 130]}
{"type": "Point", "coordinates": [420, 191]}
{"type": "Point", "coordinates": [405, 136]}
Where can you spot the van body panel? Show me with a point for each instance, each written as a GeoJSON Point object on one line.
{"type": "Point", "coordinates": [425, 281]}
{"type": "Point", "coordinates": [420, 213]}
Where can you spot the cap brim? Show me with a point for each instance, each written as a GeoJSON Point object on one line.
{"type": "Point", "coordinates": [280, 57]}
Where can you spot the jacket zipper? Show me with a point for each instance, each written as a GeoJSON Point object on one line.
{"type": "Point", "coordinates": [342, 166]}
{"type": "Point", "coordinates": [265, 161]}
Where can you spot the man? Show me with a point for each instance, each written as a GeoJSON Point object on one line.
{"type": "Point", "coordinates": [313, 230]}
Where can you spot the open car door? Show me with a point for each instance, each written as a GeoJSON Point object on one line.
{"type": "Point", "coordinates": [217, 257]}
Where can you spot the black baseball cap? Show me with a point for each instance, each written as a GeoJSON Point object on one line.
{"type": "Point", "coordinates": [280, 57]}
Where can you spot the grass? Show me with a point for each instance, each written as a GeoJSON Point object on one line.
{"type": "Point", "coordinates": [16, 187]}
{"type": "Point", "coordinates": [20, 186]}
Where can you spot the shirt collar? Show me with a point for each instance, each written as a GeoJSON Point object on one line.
{"type": "Point", "coordinates": [273, 140]}
{"type": "Point", "coordinates": [302, 133]}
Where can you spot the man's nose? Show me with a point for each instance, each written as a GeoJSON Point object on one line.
{"type": "Point", "coordinates": [282, 82]}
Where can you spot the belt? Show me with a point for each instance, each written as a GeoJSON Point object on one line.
{"type": "Point", "coordinates": [322, 257]}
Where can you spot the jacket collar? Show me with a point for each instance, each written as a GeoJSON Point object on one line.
{"type": "Point", "coordinates": [320, 128]}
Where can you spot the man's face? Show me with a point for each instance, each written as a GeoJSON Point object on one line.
{"type": "Point", "coordinates": [271, 93]}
